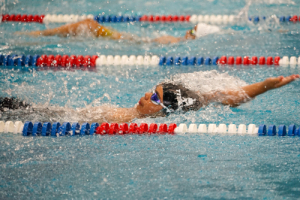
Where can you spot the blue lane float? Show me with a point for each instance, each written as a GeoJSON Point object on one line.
{"type": "Point", "coordinates": [262, 130]}
{"type": "Point", "coordinates": [75, 128]}
{"type": "Point", "coordinates": [64, 129]}
{"type": "Point", "coordinates": [21, 61]}
{"type": "Point", "coordinates": [215, 60]}
{"type": "Point", "coordinates": [93, 128]}
{"type": "Point", "coordinates": [34, 60]}
{"type": "Point", "coordinates": [292, 130]}
{"type": "Point", "coordinates": [177, 60]}
{"type": "Point", "coordinates": [28, 60]}
{"type": "Point", "coordinates": [192, 60]}
{"type": "Point", "coordinates": [5, 60]}
{"type": "Point", "coordinates": [282, 19]}
{"type": "Point", "coordinates": [120, 19]}
{"type": "Point", "coordinates": [37, 129]}
{"type": "Point", "coordinates": [55, 128]}
{"type": "Point", "coordinates": [85, 129]}
{"type": "Point", "coordinates": [1, 59]}
{"type": "Point", "coordinates": [162, 60]}
{"type": "Point", "coordinates": [207, 61]}
{"type": "Point", "coordinates": [184, 60]}
{"type": "Point", "coordinates": [11, 60]}
{"type": "Point", "coordinates": [282, 130]}
{"type": "Point", "coordinates": [46, 130]}
{"type": "Point", "coordinates": [27, 129]}
{"type": "Point", "coordinates": [272, 130]}
{"type": "Point", "coordinates": [200, 61]}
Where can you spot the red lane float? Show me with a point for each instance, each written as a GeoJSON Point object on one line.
{"type": "Point", "coordinates": [123, 129]}
{"type": "Point", "coordinates": [30, 18]}
{"type": "Point", "coordinates": [276, 60]}
{"type": "Point", "coordinates": [152, 128]}
{"type": "Point", "coordinates": [270, 61]}
{"type": "Point", "coordinates": [172, 128]}
{"type": "Point", "coordinates": [57, 61]}
{"type": "Point", "coordinates": [157, 18]}
{"type": "Point", "coordinates": [133, 128]}
{"type": "Point", "coordinates": [23, 18]}
{"type": "Point", "coordinates": [163, 18]}
{"type": "Point", "coordinates": [102, 129]}
{"type": "Point", "coordinates": [262, 60]}
{"type": "Point", "coordinates": [238, 60]}
{"type": "Point", "coordinates": [42, 61]}
{"type": "Point", "coordinates": [249, 61]}
{"type": "Point", "coordinates": [222, 60]}
{"type": "Point", "coordinates": [71, 61]}
{"type": "Point", "coordinates": [93, 60]}
{"type": "Point", "coordinates": [150, 18]}
{"type": "Point", "coordinates": [144, 128]}
{"type": "Point", "coordinates": [50, 61]}
{"type": "Point", "coordinates": [87, 61]}
{"type": "Point", "coordinates": [79, 61]}
{"type": "Point", "coordinates": [246, 60]}
{"type": "Point", "coordinates": [113, 129]}
{"type": "Point", "coordinates": [163, 128]}
{"type": "Point", "coordinates": [64, 60]}
{"type": "Point", "coordinates": [254, 60]}
{"type": "Point", "coordinates": [294, 18]}
{"type": "Point", "coordinates": [231, 60]}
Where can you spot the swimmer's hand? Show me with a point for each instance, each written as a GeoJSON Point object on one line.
{"type": "Point", "coordinates": [277, 82]}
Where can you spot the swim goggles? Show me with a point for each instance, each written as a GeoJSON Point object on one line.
{"type": "Point", "coordinates": [193, 32]}
{"type": "Point", "coordinates": [155, 100]}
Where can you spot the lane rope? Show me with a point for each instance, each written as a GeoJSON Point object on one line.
{"type": "Point", "coordinates": [212, 19]}
{"type": "Point", "coordinates": [103, 60]}
{"type": "Point", "coordinates": [56, 129]}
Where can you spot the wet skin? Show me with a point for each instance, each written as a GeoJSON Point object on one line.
{"type": "Point", "coordinates": [145, 105]}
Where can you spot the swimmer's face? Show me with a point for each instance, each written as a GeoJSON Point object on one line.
{"type": "Point", "coordinates": [189, 35]}
{"type": "Point", "coordinates": [145, 105]}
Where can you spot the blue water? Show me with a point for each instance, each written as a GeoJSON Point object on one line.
{"type": "Point", "coordinates": [143, 167]}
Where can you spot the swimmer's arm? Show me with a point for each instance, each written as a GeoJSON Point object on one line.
{"type": "Point", "coordinates": [72, 29]}
{"type": "Point", "coordinates": [66, 30]}
{"type": "Point", "coordinates": [121, 115]}
{"type": "Point", "coordinates": [236, 97]}
{"type": "Point", "coordinates": [167, 39]}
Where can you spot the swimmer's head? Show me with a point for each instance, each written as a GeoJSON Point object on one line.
{"type": "Point", "coordinates": [201, 29]}
{"type": "Point", "coordinates": [168, 98]}
{"type": "Point", "coordinates": [191, 34]}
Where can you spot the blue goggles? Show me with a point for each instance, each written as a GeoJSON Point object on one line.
{"type": "Point", "coordinates": [155, 100]}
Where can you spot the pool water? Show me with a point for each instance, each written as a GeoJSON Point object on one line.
{"type": "Point", "coordinates": [150, 166]}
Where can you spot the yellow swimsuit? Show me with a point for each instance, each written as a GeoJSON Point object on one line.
{"type": "Point", "coordinates": [104, 32]}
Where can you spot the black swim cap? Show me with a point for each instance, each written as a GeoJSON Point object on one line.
{"type": "Point", "coordinates": [177, 96]}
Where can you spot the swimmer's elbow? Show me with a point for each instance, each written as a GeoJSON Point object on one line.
{"type": "Point", "coordinates": [230, 103]}
{"type": "Point", "coordinates": [234, 102]}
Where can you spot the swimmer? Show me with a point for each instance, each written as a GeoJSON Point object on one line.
{"type": "Point", "coordinates": [167, 98]}
{"type": "Point", "coordinates": [90, 27]}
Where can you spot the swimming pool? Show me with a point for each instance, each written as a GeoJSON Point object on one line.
{"type": "Point", "coordinates": [150, 166]}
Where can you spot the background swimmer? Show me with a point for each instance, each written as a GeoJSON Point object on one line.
{"type": "Point", "coordinates": [171, 96]}
{"type": "Point", "coordinates": [90, 27]}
